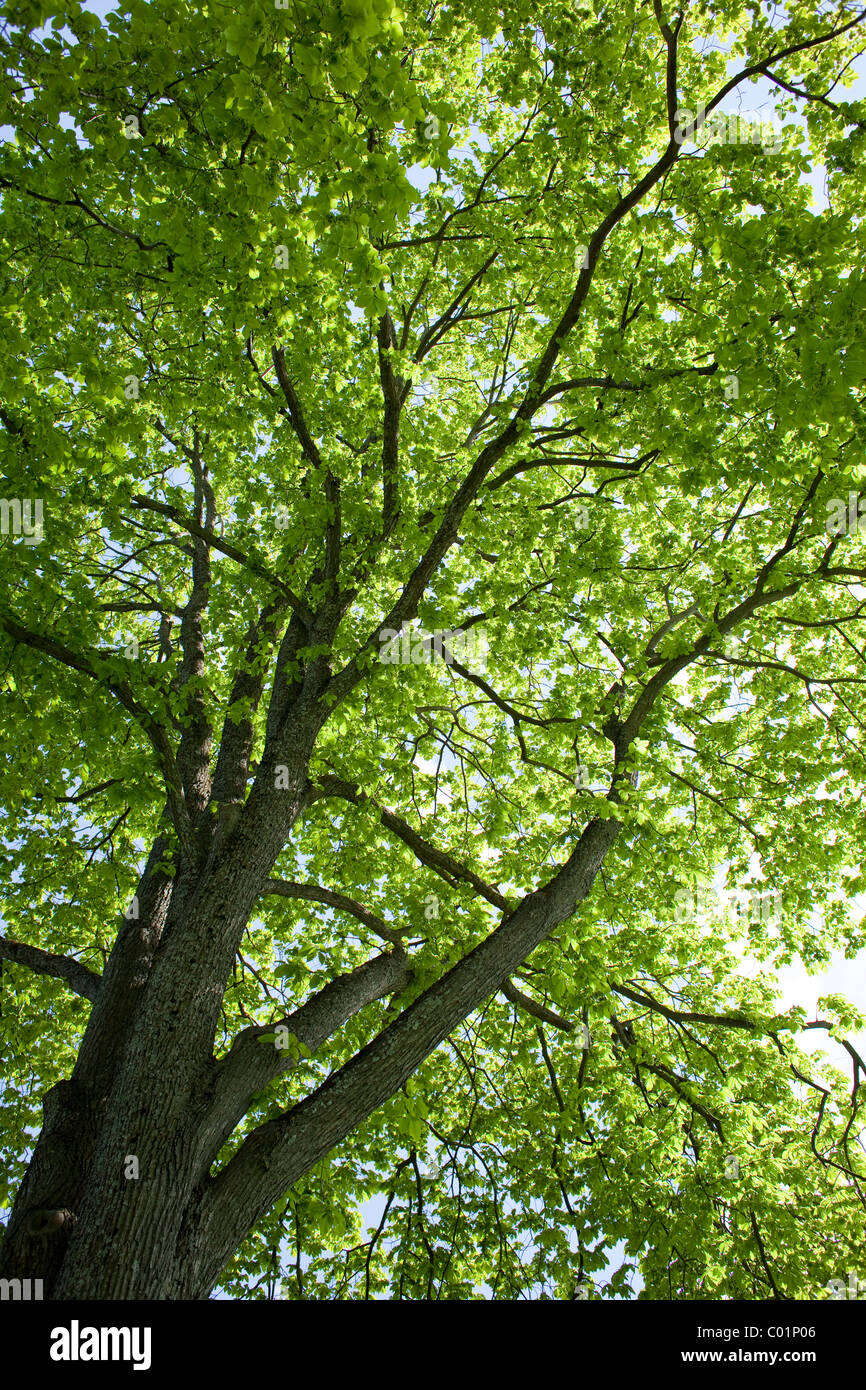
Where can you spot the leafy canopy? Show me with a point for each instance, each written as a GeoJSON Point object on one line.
{"type": "Point", "coordinates": [428, 213]}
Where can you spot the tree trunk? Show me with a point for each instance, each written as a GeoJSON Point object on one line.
{"type": "Point", "coordinates": [169, 1105]}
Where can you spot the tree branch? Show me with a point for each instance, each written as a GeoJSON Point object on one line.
{"type": "Point", "coordinates": [253, 1063]}
{"type": "Point", "coordinates": [193, 756]}
{"type": "Point", "coordinates": [296, 414]}
{"type": "Point", "coordinates": [278, 1152]}
{"type": "Point", "coordinates": [312, 892]}
{"type": "Point", "coordinates": [79, 978]}
{"type": "Point", "coordinates": [531, 1006]}
{"type": "Point", "coordinates": [237, 737]}
{"type": "Point", "coordinates": [217, 543]}
{"type": "Point", "coordinates": [441, 863]}
{"type": "Point", "coordinates": [123, 692]}
{"type": "Point", "coordinates": [394, 390]}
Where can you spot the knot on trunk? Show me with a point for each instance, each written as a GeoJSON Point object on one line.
{"type": "Point", "coordinates": [46, 1221]}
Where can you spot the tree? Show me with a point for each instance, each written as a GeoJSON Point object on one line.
{"type": "Point", "coordinates": [430, 568]}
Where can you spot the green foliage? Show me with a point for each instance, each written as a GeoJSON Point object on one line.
{"type": "Point", "coordinates": [187, 188]}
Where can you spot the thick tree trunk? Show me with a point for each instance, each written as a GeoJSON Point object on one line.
{"type": "Point", "coordinates": [169, 1105]}
{"type": "Point", "coordinates": [74, 1110]}
{"type": "Point", "coordinates": [140, 1083]}
{"type": "Point", "coordinates": [123, 1244]}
